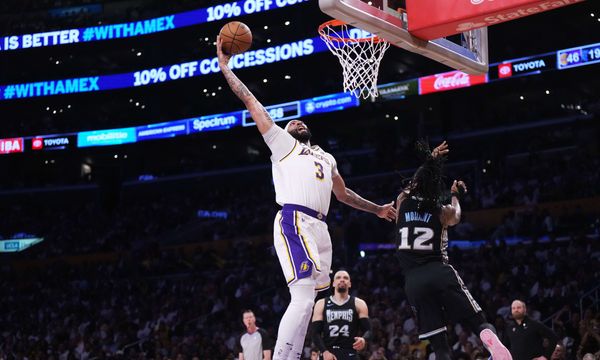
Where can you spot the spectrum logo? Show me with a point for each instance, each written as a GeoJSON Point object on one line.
{"type": "Point", "coordinates": [505, 70]}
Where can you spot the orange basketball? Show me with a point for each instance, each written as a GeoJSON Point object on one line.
{"type": "Point", "coordinates": [236, 37]}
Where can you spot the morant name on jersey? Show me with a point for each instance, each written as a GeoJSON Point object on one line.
{"type": "Point", "coordinates": [346, 315]}
{"type": "Point", "coordinates": [417, 216]}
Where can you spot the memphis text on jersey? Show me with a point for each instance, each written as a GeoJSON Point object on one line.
{"type": "Point", "coordinates": [333, 315]}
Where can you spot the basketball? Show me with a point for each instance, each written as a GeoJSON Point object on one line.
{"type": "Point", "coordinates": [236, 37]}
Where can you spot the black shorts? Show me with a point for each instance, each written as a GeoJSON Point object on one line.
{"type": "Point", "coordinates": [437, 294]}
{"type": "Point", "coordinates": [343, 354]}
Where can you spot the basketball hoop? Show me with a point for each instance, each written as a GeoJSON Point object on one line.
{"type": "Point", "coordinates": [359, 53]}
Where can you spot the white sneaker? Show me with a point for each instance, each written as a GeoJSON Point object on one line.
{"type": "Point", "coordinates": [494, 345]}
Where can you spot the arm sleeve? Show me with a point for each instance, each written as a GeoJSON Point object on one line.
{"type": "Point", "coordinates": [280, 142]}
{"type": "Point", "coordinates": [316, 328]}
{"type": "Point", "coordinates": [365, 326]}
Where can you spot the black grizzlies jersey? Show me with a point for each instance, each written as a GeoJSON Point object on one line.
{"type": "Point", "coordinates": [420, 235]}
{"type": "Point", "coordinates": [341, 323]}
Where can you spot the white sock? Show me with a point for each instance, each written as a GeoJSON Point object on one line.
{"type": "Point", "coordinates": [301, 336]}
{"type": "Point", "coordinates": [293, 325]}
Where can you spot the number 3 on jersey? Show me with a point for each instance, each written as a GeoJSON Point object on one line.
{"type": "Point", "coordinates": [335, 331]}
{"type": "Point", "coordinates": [319, 173]}
{"type": "Point", "coordinates": [420, 237]}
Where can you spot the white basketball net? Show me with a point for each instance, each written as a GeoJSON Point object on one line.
{"type": "Point", "coordinates": [359, 53]}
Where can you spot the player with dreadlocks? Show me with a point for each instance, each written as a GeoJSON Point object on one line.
{"type": "Point", "coordinates": [433, 288]}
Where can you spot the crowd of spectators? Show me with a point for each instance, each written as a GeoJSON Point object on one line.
{"type": "Point", "coordinates": [158, 303]}
{"type": "Point", "coordinates": [113, 218]}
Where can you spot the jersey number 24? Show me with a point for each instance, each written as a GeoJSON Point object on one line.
{"type": "Point", "coordinates": [335, 331]}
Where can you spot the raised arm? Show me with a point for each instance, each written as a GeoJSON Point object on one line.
{"type": "Point", "coordinates": [451, 213]}
{"type": "Point", "coordinates": [257, 110]}
{"type": "Point", "coordinates": [350, 198]}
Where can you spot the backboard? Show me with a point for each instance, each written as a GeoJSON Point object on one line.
{"type": "Point", "coordinates": [384, 19]}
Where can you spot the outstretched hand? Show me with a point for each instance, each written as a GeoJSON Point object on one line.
{"type": "Point", "coordinates": [387, 212]}
{"type": "Point", "coordinates": [440, 150]}
{"type": "Point", "coordinates": [458, 186]}
{"type": "Point", "coordinates": [223, 58]}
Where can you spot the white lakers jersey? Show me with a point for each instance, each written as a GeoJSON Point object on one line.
{"type": "Point", "coordinates": [302, 174]}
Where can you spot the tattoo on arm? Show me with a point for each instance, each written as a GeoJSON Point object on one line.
{"type": "Point", "coordinates": [266, 114]}
{"type": "Point", "coordinates": [356, 201]}
{"type": "Point", "coordinates": [259, 113]}
{"type": "Point", "coordinates": [236, 85]}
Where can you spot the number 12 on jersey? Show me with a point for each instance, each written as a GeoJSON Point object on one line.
{"type": "Point", "coordinates": [420, 239]}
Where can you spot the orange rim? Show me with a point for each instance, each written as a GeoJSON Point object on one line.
{"type": "Point", "coordinates": [334, 22]}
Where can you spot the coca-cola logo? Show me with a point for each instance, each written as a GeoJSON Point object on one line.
{"type": "Point", "coordinates": [459, 79]}
{"type": "Point", "coordinates": [449, 81]}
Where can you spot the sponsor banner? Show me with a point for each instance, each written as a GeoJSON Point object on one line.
{"type": "Point", "coordinates": [215, 122]}
{"type": "Point", "coordinates": [162, 130]}
{"type": "Point", "coordinates": [429, 19]}
{"type": "Point", "coordinates": [524, 66]}
{"type": "Point", "coordinates": [16, 245]}
{"type": "Point", "coordinates": [52, 142]}
{"type": "Point", "coordinates": [449, 81]}
{"type": "Point", "coordinates": [137, 28]}
{"type": "Point", "coordinates": [533, 64]}
{"type": "Point", "coordinates": [328, 103]}
{"type": "Point", "coordinates": [398, 90]}
{"type": "Point", "coordinates": [106, 137]}
{"type": "Point", "coordinates": [10, 146]}
{"type": "Point", "coordinates": [159, 75]}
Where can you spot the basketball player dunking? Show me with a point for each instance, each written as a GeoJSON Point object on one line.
{"type": "Point", "coordinates": [433, 288]}
{"type": "Point", "coordinates": [339, 317]}
{"type": "Point", "coordinates": [304, 177]}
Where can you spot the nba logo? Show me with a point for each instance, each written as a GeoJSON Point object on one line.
{"type": "Point", "coordinates": [304, 267]}
{"type": "Point", "coordinates": [505, 70]}
{"type": "Point", "coordinates": [37, 144]}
